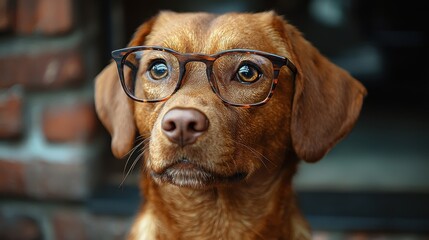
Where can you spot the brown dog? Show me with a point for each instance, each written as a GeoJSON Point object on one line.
{"type": "Point", "coordinates": [220, 157]}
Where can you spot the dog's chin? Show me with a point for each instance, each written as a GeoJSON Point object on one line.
{"type": "Point", "coordinates": [189, 175]}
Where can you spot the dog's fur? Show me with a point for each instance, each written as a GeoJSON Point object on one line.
{"type": "Point", "coordinates": [303, 120]}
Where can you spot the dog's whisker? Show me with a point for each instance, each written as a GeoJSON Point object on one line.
{"type": "Point", "coordinates": [258, 154]}
{"type": "Point", "coordinates": [144, 152]}
{"type": "Point", "coordinates": [138, 148]}
{"type": "Point", "coordinates": [140, 137]}
{"type": "Point", "coordinates": [132, 167]}
{"type": "Point", "coordinates": [129, 157]}
{"type": "Point", "coordinates": [131, 153]}
{"type": "Point", "coordinates": [138, 142]}
{"type": "Point", "coordinates": [253, 230]}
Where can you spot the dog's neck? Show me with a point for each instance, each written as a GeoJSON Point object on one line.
{"type": "Point", "coordinates": [246, 210]}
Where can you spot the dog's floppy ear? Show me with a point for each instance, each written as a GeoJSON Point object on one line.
{"type": "Point", "coordinates": [327, 100]}
{"type": "Point", "coordinates": [114, 108]}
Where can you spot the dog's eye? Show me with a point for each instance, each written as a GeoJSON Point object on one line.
{"type": "Point", "coordinates": [158, 70]}
{"type": "Point", "coordinates": [248, 73]}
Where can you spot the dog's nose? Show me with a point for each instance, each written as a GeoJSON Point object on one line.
{"type": "Point", "coordinates": [184, 125]}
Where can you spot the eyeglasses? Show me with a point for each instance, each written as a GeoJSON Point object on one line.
{"type": "Point", "coordinates": [239, 77]}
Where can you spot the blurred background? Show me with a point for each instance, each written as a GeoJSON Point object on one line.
{"type": "Point", "coordinates": [58, 179]}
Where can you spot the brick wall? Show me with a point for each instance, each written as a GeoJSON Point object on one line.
{"type": "Point", "coordinates": [51, 142]}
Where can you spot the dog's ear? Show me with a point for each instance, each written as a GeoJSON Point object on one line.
{"type": "Point", "coordinates": [327, 100]}
{"type": "Point", "coordinates": [114, 108]}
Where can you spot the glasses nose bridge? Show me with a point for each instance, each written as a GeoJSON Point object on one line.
{"type": "Point", "coordinates": [207, 60]}
{"type": "Point", "coordinates": [189, 58]}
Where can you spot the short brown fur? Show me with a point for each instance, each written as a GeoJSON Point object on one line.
{"type": "Point", "coordinates": [303, 120]}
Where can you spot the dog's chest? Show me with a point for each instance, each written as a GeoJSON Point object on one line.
{"type": "Point", "coordinates": [209, 225]}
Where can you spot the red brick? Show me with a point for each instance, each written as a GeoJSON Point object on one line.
{"type": "Point", "coordinates": [25, 16]}
{"type": "Point", "coordinates": [12, 178]}
{"type": "Point", "coordinates": [69, 225]}
{"type": "Point", "coordinates": [49, 17]}
{"type": "Point", "coordinates": [19, 227]}
{"type": "Point", "coordinates": [56, 16]}
{"type": "Point", "coordinates": [69, 123]}
{"type": "Point", "coordinates": [6, 15]}
{"type": "Point", "coordinates": [57, 180]}
{"type": "Point", "coordinates": [49, 70]}
{"type": "Point", "coordinates": [11, 124]}
{"type": "Point", "coordinates": [45, 180]}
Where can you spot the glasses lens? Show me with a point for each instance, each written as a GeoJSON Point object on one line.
{"type": "Point", "coordinates": [151, 75]}
{"type": "Point", "coordinates": [243, 78]}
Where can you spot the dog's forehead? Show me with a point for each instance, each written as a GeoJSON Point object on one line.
{"type": "Point", "coordinates": [208, 33]}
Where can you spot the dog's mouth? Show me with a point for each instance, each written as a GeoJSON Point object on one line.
{"type": "Point", "coordinates": [184, 173]}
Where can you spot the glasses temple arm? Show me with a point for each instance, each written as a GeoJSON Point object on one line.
{"type": "Point", "coordinates": [291, 66]}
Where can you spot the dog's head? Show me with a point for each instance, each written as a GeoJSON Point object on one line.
{"type": "Point", "coordinates": [196, 138]}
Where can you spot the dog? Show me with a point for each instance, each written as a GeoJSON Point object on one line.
{"type": "Point", "coordinates": [221, 145]}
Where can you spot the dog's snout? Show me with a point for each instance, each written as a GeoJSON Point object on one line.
{"type": "Point", "coordinates": [184, 125]}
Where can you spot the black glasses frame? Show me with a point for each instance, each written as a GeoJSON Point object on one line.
{"type": "Point", "coordinates": [120, 55]}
